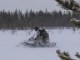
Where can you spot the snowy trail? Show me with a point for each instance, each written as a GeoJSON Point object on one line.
{"type": "Point", "coordinates": [66, 40]}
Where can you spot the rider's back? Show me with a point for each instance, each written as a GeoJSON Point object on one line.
{"type": "Point", "coordinates": [45, 35]}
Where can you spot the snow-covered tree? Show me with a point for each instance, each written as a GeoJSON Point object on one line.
{"type": "Point", "coordinates": [69, 4]}
{"type": "Point", "coordinates": [66, 56]}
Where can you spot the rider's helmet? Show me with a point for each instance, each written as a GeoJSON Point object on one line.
{"type": "Point", "coordinates": [36, 28]}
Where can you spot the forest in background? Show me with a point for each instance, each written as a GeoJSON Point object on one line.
{"type": "Point", "coordinates": [19, 20]}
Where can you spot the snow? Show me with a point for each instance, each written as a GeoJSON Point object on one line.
{"type": "Point", "coordinates": [66, 39]}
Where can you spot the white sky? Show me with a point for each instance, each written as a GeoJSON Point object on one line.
{"type": "Point", "coordinates": [35, 5]}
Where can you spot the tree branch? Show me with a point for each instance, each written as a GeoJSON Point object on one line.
{"type": "Point", "coordinates": [69, 4]}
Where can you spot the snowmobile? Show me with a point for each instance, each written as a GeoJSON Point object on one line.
{"type": "Point", "coordinates": [30, 43]}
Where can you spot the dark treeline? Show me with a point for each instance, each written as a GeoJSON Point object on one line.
{"type": "Point", "coordinates": [19, 20]}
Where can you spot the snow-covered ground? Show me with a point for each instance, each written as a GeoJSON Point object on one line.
{"type": "Point", "coordinates": [66, 39]}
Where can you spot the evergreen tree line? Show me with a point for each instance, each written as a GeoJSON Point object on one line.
{"type": "Point", "coordinates": [19, 20]}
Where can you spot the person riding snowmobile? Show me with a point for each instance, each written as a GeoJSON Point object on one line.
{"type": "Point", "coordinates": [42, 37]}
